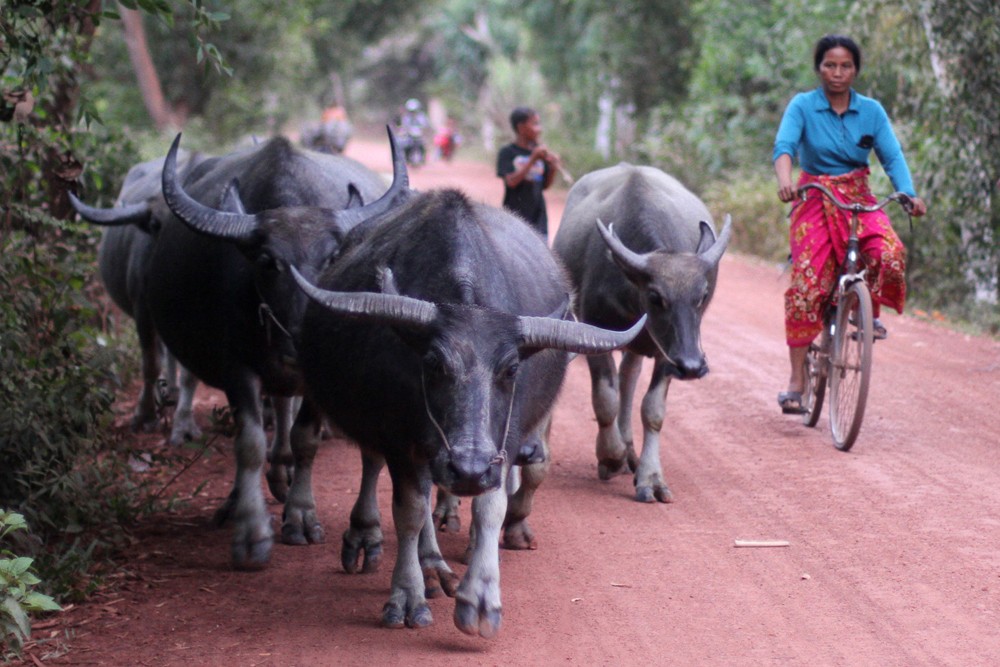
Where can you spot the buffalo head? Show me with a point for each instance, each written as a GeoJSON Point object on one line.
{"type": "Point", "coordinates": [272, 240]}
{"type": "Point", "coordinates": [471, 360]}
{"type": "Point", "coordinates": [673, 290]}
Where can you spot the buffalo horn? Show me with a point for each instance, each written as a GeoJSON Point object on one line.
{"type": "Point", "coordinates": [632, 261]}
{"type": "Point", "coordinates": [133, 214]}
{"type": "Point", "coordinates": [374, 307]}
{"type": "Point", "coordinates": [714, 254]}
{"type": "Point", "coordinates": [400, 183]}
{"type": "Point", "coordinates": [196, 215]}
{"type": "Point", "coordinates": [545, 332]}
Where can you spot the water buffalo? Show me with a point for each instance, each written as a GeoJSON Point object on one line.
{"type": "Point", "coordinates": [437, 341]}
{"type": "Point", "coordinates": [658, 255]}
{"type": "Point", "coordinates": [224, 303]}
{"type": "Point", "coordinates": [123, 257]}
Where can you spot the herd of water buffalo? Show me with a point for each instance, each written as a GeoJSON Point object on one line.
{"type": "Point", "coordinates": [432, 330]}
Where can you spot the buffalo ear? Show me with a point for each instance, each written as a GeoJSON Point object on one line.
{"type": "Point", "coordinates": [354, 198]}
{"type": "Point", "coordinates": [230, 200]}
{"type": "Point", "coordinates": [707, 237]}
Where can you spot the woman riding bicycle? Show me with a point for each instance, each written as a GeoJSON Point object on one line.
{"type": "Point", "coordinates": [832, 130]}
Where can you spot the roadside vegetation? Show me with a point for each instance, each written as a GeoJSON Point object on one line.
{"type": "Point", "coordinates": [696, 87]}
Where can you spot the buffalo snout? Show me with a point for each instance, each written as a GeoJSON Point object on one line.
{"type": "Point", "coordinates": [468, 473]}
{"type": "Point", "coordinates": [690, 369]}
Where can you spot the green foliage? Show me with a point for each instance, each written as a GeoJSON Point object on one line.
{"type": "Point", "coordinates": [760, 227]}
{"type": "Point", "coordinates": [944, 64]}
{"type": "Point", "coordinates": [18, 597]}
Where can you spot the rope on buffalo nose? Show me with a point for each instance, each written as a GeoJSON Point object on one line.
{"type": "Point", "coordinates": [267, 316]}
{"type": "Point", "coordinates": [430, 415]}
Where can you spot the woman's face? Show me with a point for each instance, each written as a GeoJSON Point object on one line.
{"type": "Point", "coordinates": [837, 70]}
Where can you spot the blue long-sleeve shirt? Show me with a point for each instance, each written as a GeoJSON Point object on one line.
{"type": "Point", "coordinates": [826, 142]}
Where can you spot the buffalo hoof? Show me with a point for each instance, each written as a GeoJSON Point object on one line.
{"type": "Point", "coordinates": [354, 545]}
{"type": "Point", "coordinates": [279, 477]}
{"type": "Point", "coordinates": [184, 430]}
{"type": "Point", "coordinates": [647, 494]}
{"type": "Point", "coordinates": [519, 536]}
{"type": "Point", "coordinates": [302, 528]}
{"type": "Point", "coordinates": [608, 468]}
{"type": "Point", "coordinates": [253, 555]}
{"type": "Point", "coordinates": [473, 621]}
{"type": "Point", "coordinates": [393, 616]}
{"type": "Point", "coordinates": [446, 516]}
{"type": "Point", "coordinates": [438, 582]}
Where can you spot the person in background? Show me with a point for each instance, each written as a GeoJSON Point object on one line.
{"type": "Point", "coordinates": [832, 131]}
{"type": "Point", "coordinates": [527, 167]}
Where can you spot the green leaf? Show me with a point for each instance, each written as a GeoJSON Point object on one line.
{"type": "Point", "coordinates": [40, 602]}
{"type": "Point", "coordinates": [13, 609]}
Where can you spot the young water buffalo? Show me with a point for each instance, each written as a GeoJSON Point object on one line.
{"type": "Point", "coordinates": [437, 341]}
{"type": "Point", "coordinates": [656, 255]}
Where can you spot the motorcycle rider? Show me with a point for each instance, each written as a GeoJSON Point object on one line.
{"type": "Point", "coordinates": [411, 131]}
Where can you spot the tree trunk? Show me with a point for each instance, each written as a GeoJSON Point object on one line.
{"type": "Point", "coordinates": [162, 114]}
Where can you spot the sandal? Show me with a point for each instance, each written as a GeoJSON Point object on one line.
{"type": "Point", "coordinates": [879, 332]}
{"type": "Point", "coordinates": [791, 402]}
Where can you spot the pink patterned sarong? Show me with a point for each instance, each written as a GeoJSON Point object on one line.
{"type": "Point", "coordinates": [818, 241]}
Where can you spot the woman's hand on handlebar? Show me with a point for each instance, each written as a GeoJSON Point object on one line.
{"type": "Point", "coordinates": [917, 207]}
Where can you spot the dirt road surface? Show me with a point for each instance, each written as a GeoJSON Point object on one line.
{"type": "Point", "coordinates": [893, 555]}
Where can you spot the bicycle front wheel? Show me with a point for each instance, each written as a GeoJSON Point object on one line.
{"type": "Point", "coordinates": [850, 364]}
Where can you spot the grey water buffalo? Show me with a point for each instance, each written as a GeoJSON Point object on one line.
{"type": "Point", "coordinates": [123, 258]}
{"type": "Point", "coordinates": [437, 341]}
{"type": "Point", "coordinates": [636, 241]}
{"type": "Point", "coordinates": [223, 301]}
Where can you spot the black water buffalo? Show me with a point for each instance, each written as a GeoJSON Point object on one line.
{"type": "Point", "coordinates": [438, 341]}
{"type": "Point", "coordinates": [123, 258]}
{"type": "Point", "coordinates": [658, 255]}
{"type": "Point", "coordinates": [225, 304]}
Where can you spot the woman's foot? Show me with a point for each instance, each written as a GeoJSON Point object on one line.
{"type": "Point", "coordinates": [879, 332]}
{"type": "Point", "coordinates": [791, 402]}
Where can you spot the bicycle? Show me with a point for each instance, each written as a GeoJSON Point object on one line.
{"type": "Point", "coordinates": [842, 360]}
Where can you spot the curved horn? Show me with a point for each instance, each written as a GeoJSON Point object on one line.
{"type": "Point", "coordinates": [714, 254]}
{"type": "Point", "coordinates": [633, 261]}
{"type": "Point", "coordinates": [133, 214]}
{"type": "Point", "coordinates": [374, 307]}
{"type": "Point", "coordinates": [196, 215]}
{"type": "Point", "coordinates": [545, 332]}
{"type": "Point", "coordinates": [400, 184]}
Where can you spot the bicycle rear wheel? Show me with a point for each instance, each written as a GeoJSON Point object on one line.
{"type": "Point", "coordinates": [850, 364]}
{"type": "Point", "coordinates": [815, 387]}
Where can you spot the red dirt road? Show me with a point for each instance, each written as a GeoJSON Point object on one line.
{"type": "Point", "coordinates": [893, 556]}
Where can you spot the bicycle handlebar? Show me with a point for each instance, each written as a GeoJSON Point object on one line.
{"type": "Point", "coordinates": [904, 200]}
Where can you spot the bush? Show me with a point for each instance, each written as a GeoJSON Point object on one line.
{"type": "Point", "coordinates": [760, 220]}
{"type": "Point", "coordinates": [18, 599]}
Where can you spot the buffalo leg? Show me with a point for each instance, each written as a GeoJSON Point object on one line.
{"type": "Point", "coordinates": [300, 524]}
{"type": "Point", "coordinates": [628, 376]}
{"type": "Point", "coordinates": [438, 577]}
{"type": "Point", "coordinates": [364, 535]}
{"type": "Point", "coordinates": [445, 513]}
{"type": "Point", "coordinates": [280, 458]}
{"type": "Point", "coordinates": [611, 452]}
{"type": "Point", "coordinates": [477, 602]}
{"type": "Point", "coordinates": [517, 534]}
{"type": "Point", "coordinates": [184, 427]}
{"type": "Point", "coordinates": [252, 538]}
{"type": "Point", "coordinates": [407, 604]}
{"type": "Point", "coordinates": [649, 483]}
{"type": "Point", "coordinates": [146, 418]}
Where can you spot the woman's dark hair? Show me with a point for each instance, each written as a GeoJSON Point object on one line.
{"type": "Point", "coordinates": [832, 42]}
{"type": "Point", "coordinates": [519, 115]}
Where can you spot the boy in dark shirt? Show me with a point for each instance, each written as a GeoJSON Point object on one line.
{"type": "Point", "coordinates": [527, 168]}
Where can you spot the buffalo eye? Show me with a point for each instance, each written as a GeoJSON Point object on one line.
{"type": "Point", "coordinates": [432, 365]}
{"type": "Point", "coordinates": [654, 298]}
{"type": "Point", "coordinates": [510, 372]}
{"type": "Point", "coordinates": [266, 262]}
